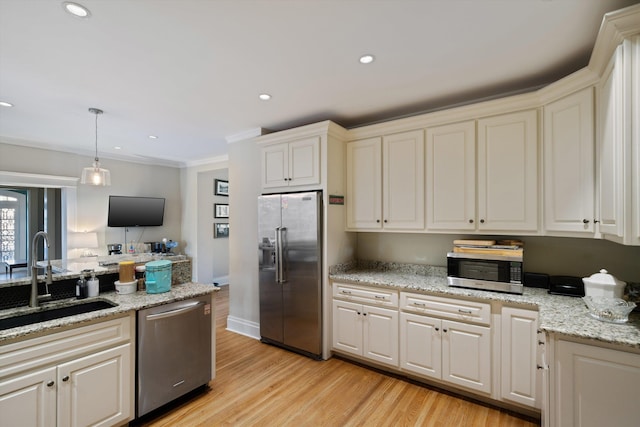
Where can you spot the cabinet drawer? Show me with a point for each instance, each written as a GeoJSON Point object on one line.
{"type": "Point", "coordinates": [61, 346]}
{"type": "Point", "coordinates": [368, 295]}
{"type": "Point", "coordinates": [450, 308]}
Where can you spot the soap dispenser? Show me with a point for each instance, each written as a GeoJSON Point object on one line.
{"type": "Point", "coordinates": [81, 288]}
{"type": "Point", "coordinates": [93, 285]}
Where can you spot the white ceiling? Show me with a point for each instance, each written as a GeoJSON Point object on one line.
{"type": "Point", "coordinates": [190, 71]}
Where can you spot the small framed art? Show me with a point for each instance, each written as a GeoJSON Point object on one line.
{"type": "Point", "coordinates": [221, 188]}
{"type": "Point", "coordinates": [220, 230]}
{"type": "Point", "coordinates": [220, 210]}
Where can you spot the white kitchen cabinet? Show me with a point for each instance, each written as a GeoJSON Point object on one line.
{"type": "Point", "coordinates": [385, 182]}
{"type": "Point", "coordinates": [290, 164]}
{"type": "Point", "coordinates": [520, 377]}
{"type": "Point", "coordinates": [569, 167]}
{"type": "Point", "coordinates": [485, 182]}
{"type": "Point", "coordinates": [368, 330]}
{"type": "Point", "coordinates": [507, 172]}
{"type": "Point", "coordinates": [82, 376]}
{"type": "Point", "coordinates": [618, 160]}
{"type": "Point", "coordinates": [93, 390]}
{"type": "Point", "coordinates": [364, 184]}
{"type": "Point", "coordinates": [594, 386]}
{"type": "Point", "coordinates": [452, 351]}
{"type": "Point", "coordinates": [451, 177]}
{"type": "Point", "coordinates": [29, 399]}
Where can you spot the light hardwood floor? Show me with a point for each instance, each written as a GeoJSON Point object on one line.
{"type": "Point", "coordinates": [260, 385]}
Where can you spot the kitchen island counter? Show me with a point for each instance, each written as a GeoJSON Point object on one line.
{"type": "Point", "coordinates": [557, 314]}
{"type": "Point", "coordinates": [125, 303]}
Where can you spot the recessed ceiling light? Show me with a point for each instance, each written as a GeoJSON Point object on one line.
{"type": "Point", "coordinates": [264, 96]}
{"type": "Point", "coordinates": [366, 59]}
{"type": "Point", "coordinates": [6, 104]}
{"type": "Point", "coordinates": [153, 137]}
{"type": "Point", "coordinates": [117, 147]}
{"type": "Point", "coordinates": [76, 9]}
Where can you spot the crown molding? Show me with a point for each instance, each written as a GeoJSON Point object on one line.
{"type": "Point", "coordinates": [208, 161]}
{"type": "Point", "coordinates": [615, 27]}
{"type": "Point", "coordinates": [247, 134]}
{"type": "Point", "coordinates": [326, 127]}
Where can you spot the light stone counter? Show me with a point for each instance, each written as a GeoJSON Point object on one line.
{"type": "Point", "coordinates": [557, 314]}
{"type": "Point", "coordinates": [72, 268]}
{"type": "Point", "coordinates": [126, 303]}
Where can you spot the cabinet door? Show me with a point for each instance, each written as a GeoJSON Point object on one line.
{"type": "Point", "coordinates": [97, 389]}
{"type": "Point", "coordinates": [304, 162]}
{"type": "Point", "coordinates": [275, 166]}
{"type": "Point", "coordinates": [451, 177]}
{"type": "Point", "coordinates": [520, 376]}
{"type": "Point", "coordinates": [569, 168]}
{"type": "Point", "coordinates": [380, 335]}
{"type": "Point", "coordinates": [29, 400]}
{"type": "Point", "coordinates": [466, 355]}
{"type": "Point", "coordinates": [421, 345]}
{"type": "Point", "coordinates": [347, 327]}
{"type": "Point", "coordinates": [507, 172]}
{"type": "Point", "coordinates": [364, 184]}
{"type": "Point", "coordinates": [595, 386]}
{"type": "Point", "coordinates": [403, 181]}
{"type": "Point", "coordinates": [611, 159]}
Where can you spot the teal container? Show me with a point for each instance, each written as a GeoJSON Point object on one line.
{"type": "Point", "coordinates": [158, 276]}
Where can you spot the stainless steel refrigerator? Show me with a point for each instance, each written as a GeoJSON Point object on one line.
{"type": "Point", "coordinates": [290, 263]}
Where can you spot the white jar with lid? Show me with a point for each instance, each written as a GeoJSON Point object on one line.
{"type": "Point", "coordinates": [603, 284]}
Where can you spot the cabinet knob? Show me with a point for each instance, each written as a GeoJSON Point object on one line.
{"type": "Point", "coordinates": [50, 383]}
{"type": "Point", "coordinates": [470, 221]}
{"type": "Point", "coordinates": [585, 221]}
{"type": "Point", "coordinates": [437, 329]}
{"type": "Point", "coordinates": [65, 378]}
{"type": "Point", "coordinates": [378, 221]}
{"type": "Point", "coordinates": [444, 330]}
{"type": "Point", "coordinates": [540, 367]}
{"type": "Point", "coordinates": [385, 220]}
{"type": "Point", "coordinates": [364, 314]}
{"type": "Point", "coordinates": [595, 221]}
{"type": "Point", "coordinates": [358, 313]}
{"type": "Point", "coordinates": [482, 221]}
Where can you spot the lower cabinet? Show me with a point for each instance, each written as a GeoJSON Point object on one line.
{"type": "Point", "coordinates": [446, 350]}
{"type": "Point", "coordinates": [520, 376]}
{"type": "Point", "coordinates": [594, 386]}
{"type": "Point", "coordinates": [367, 331]}
{"type": "Point", "coordinates": [79, 377]}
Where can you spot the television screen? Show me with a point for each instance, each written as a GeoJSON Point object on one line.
{"type": "Point", "coordinates": [125, 211]}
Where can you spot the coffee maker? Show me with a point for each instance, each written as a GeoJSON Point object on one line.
{"type": "Point", "coordinates": [114, 248]}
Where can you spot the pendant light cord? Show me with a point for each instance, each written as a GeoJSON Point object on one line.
{"type": "Point", "coordinates": [96, 159]}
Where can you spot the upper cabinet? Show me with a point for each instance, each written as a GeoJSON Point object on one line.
{"type": "Point", "coordinates": [507, 175]}
{"type": "Point", "coordinates": [618, 160]}
{"type": "Point", "coordinates": [385, 182]}
{"type": "Point", "coordinates": [451, 177]}
{"type": "Point", "coordinates": [569, 167]}
{"type": "Point", "coordinates": [495, 193]}
{"type": "Point", "coordinates": [288, 164]}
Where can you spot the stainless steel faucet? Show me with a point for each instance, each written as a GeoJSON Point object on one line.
{"type": "Point", "coordinates": [33, 302]}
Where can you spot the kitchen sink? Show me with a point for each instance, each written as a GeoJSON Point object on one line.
{"type": "Point", "coordinates": [54, 313]}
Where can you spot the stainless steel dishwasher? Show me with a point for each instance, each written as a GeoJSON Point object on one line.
{"type": "Point", "coordinates": [174, 351]}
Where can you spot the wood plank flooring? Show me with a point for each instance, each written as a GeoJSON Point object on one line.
{"type": "Point", "coordinates": [260, 385]}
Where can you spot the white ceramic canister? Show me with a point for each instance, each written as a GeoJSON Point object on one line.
{"type": "Point", "coordinates": [603, 284]}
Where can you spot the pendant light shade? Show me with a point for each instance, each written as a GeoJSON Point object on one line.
{"type": "Point", "coordinates": [95, 175]}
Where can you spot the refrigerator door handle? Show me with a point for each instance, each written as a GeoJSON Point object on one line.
{"type": "Point", "coordinates": [278, 250]}
{"type": "Point", "coordinates": [283, 279]}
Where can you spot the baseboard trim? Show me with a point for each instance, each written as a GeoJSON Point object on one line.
{"type": "Point", "coordinates": [243, 327]}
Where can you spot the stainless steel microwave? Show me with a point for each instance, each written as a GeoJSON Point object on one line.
{"type": "Point", "coordinates": [485, 271]}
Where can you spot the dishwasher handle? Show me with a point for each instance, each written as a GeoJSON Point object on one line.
{"type": "Point", "coordinates": [174, 312]}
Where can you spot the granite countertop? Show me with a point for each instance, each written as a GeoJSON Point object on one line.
{"type": "Point", "coordinates": [71, 268]}
{"type": "Point", "coordinates": [557, 314]}
{"type": "Point", "coordinates": [126, 303]}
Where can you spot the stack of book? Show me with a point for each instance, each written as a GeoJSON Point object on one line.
{"type": "Point", "coordinates": [501, 247]}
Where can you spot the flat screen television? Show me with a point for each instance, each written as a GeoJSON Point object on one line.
{"type": "Point", "coordinates": [126, 211]}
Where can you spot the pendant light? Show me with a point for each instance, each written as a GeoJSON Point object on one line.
{"type": "Point", "coordinates": [95, 175]}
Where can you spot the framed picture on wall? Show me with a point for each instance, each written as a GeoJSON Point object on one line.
{"type": "Point", "coordinates": [221, 188]}
{"type": "Point", "coordinates": [220, 210]}
{"type": "Point", "coordinates": [220, 230]}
